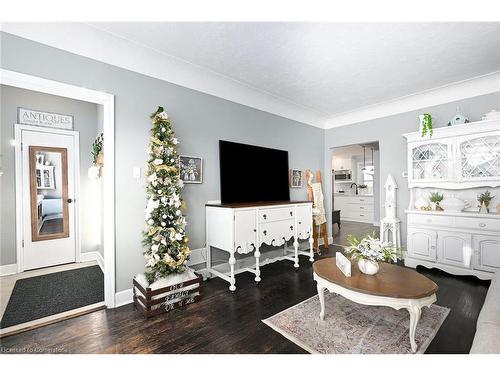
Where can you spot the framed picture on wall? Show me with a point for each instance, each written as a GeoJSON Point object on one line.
{"type": "Point", "coordinates": [296, 178]}
{"type": "Point", "coordinates": [191, 169]}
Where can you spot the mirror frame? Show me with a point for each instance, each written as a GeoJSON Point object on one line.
{"type": "Point", "coordinates": [35, 235]}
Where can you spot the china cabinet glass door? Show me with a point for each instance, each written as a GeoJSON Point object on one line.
{"type": "Point", "coordinates": [479, 157]}
{"type": "Point", "coordinates": [430, 161]}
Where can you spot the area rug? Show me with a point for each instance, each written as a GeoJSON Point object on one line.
{"type": "Point", "coordinates": [351, 328]}
{"type": "Point", "coordinates": [40, 296]}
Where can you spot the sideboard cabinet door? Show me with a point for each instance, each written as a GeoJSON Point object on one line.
{"type": "Point", "coordinates": [245, 231]}
{"type": "Point", "coordinates": [304, 217]}
{"type": "Point", "coordinates": [422, 243]}
{"type": "Point", "coordinates": [487, 252]}
{"type": "Point", "coordinates": [454, 248]}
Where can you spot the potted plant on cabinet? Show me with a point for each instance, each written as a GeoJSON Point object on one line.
{"type": "Point", "coordinates": [436, 198]}
{"type": "Point", "coordinates": [484, 200]}
{"type": "Point", "coordinates": [426, 124]}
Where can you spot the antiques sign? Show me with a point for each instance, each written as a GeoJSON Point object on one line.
{"type": "Point", "coordinates": [48, 119]}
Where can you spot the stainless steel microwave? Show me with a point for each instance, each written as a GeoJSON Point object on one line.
{"type": "Point", "coordinates": [343, 175]}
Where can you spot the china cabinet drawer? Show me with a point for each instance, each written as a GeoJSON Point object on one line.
{"type": "Point", "coordinates": [276, 214]}
{"type": "Point", "coordinates": [478, 223]}
{"type": "Point", "coordinates": [448, 221]}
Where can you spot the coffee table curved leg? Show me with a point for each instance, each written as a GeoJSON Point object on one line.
{"type": "Point", "coordinates": [414, 311]}
{"type": "Point", "coordinates": [321, 294]}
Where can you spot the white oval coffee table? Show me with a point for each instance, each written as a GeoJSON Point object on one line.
{"type": "Point", "coordinates": [393, 286]}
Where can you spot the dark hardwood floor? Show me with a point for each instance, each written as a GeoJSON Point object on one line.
{"type": "Point", "coordinates": [231, 323]}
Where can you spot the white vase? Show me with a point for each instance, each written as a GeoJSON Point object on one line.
{"type": "Point", "coordinates": [368, 267]}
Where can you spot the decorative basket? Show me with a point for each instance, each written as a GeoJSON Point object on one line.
{"type": "Point", "coordinates": [153, 302]}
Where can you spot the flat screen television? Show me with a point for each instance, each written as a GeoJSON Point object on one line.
{"type": "Point", "coordinates": [252, 173]}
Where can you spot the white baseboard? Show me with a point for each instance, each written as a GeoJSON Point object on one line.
{"type": "Point", "coordinates": [8, 269]}
{"type": "Point", "coordinates": [124, 297]}
{"type": "Point", "coordinates": [93, 255]}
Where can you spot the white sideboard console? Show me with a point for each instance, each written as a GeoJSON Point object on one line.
{"type": "Point", "coordinates": [243, 228]}
{"type": "Point", "coordinates": [460, 161]}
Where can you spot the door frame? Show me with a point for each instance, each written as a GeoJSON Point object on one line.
{"type": "Point", "coordinates": [47, 86]}
{"type": "Point", "coordinates": [18, 129]}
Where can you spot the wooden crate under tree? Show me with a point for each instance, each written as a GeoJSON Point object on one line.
{"type": "Point", "coordinates": [177, 297]}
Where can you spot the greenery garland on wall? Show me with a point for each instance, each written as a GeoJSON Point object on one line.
{"type": "Point", "coordinates": [165, 240]}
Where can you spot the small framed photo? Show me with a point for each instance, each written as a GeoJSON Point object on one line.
{"type": "Point", "coordinates": [191, 169]}
{"type": "Point", "coordinates": [40, 159]}
{"type": "Point", "coordinates": [296, 178]}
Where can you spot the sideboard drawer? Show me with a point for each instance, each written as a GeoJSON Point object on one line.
{"type": "Point", "coordinates": [478, 223]}
{"type": "Point", "coordinates": [277, 232]}
{"type": "Point", "coordinates": [276, 214]}
{"type": "Point", "coordinates": [448, 221]}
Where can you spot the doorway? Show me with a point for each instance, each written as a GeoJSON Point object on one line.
{"type": "Point", "coordinates": [49, 196]}
{"type": "Point", "coordinates": [355, 190]}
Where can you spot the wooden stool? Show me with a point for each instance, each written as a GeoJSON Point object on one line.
{"type": "Point", "coordinates": [336, 218]}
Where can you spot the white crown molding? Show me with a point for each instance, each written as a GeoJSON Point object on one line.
{"type": "Point", "coordinates": [111, 49]}
{"type": "Point", "coordinates": [485, 84]}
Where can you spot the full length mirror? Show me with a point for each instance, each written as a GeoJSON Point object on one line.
{"type": "Point", "coordinates": [49, 193]}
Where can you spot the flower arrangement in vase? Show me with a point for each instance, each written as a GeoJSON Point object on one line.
{"type": "Point", "coordinates": [484, 200]}
{"type": "Point", "coordinates": [436, 198]}
{"type": "Point", "coordinates": [369, 251]}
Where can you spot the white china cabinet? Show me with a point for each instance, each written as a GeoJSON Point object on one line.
{"type": "Point", "coordinates": [454, 159]}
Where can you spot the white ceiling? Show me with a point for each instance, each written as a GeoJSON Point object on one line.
{"type": "Point", "coordinates": [323, 74]}
{"type": "Point", "coordinates": [328, 67]}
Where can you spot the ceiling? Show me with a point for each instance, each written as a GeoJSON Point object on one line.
{"type": "Point", "coordinates": [321, 74]}
{"type": "Point", "coordinates": [329, 68]}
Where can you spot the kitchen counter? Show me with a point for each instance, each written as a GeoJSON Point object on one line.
{"type": "Point", "coordinates": [351, 195]}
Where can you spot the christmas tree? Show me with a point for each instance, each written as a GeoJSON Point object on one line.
{"type": "Point", "coordinates": [165, 240]}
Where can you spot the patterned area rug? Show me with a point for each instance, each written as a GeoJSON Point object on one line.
{"type": "Point", "coordinates": [351, 328]}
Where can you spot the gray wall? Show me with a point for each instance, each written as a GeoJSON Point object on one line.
{"type": "Point", "coordinates": [392, 146]}
{"type": "Point", "coordinates": [199, 120]}
{"type": "Point", "coordinates": [85, 121]}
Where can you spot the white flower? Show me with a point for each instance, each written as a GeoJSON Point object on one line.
{"type": "Point", "coordinates": [180, 183]}
{"type": "Point", "coordinates": [163, 115]}
{"type": "Point", "coordinates": [154, 248]}
{"type": "Point", "coordinates": [152, 177]}
{"type": "Point", "coordinates": [178, 236]}
{"type": "Point", "coordinates": [169, 150]}
{"type": "Point", "coordinates": [175, 141]}
{"type": "Point", "coordinates": [178, 212]}
{"type": "Point", "coordinates": [158, 161]}
{"type": "Point", "coordinates": [151, 221]}
{"type": "Point", "coordinates": [152, 204]}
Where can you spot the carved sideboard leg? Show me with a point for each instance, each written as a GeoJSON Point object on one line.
{"type": "Point", "coordinates": [414, 311]}
{"type": "Point", "coordinates": [232, 262]}
{"type": "Point", "coordinates": [296, 247]}
{"type": "Point", "coordinates": [321, 294]}
{"type": "Point", "coordinates": [311, 249]}
{"type": "Point", "coordinates": [257, 267]}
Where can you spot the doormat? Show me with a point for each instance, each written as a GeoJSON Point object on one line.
{"type": "Point", "coordinates": [41, 296]}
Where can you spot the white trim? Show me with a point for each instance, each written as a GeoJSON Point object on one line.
{"type": "Point", "coordinates": [8, 269]}
{"type": "Point", "coordinates": [93, 255]}
{"type": "Point", "coordinates": [33, 83]}
{"type": "Point", "coordinates": [485, 84]}
{"type": "Point", "coordinates": [116, 50]}
{"type": "Point", "coordinates": [18, 129]}
{"type": "Point", "coordinates": [124, 297]}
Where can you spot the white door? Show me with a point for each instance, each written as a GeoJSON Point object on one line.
{"type": "Point", "coordinates": [48, 194]}
{"type": "Point", "coordinates": [422, 243]}
{"type": "Point", "coordinates": [245, 231]}
{"type": "Point", "coordinates": [487, 250]}
{"type": "Point", "coordinates": [454, 248]}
